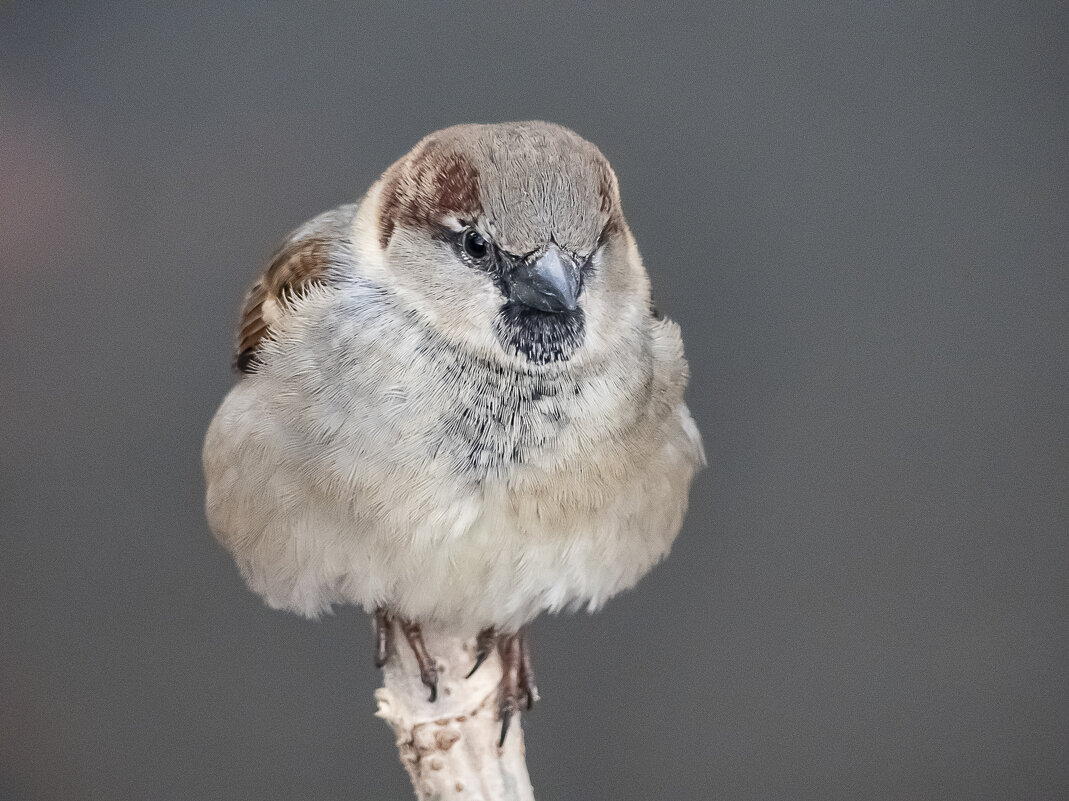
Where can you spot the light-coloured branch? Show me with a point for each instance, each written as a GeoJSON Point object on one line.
{"type": "Point", "coordinates": [449, 747]}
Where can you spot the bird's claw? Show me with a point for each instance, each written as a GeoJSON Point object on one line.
{"type": "Point", "coordinates": [429, 677]}
{"type": "Point", "coordinates": [517, 689]}
{"type": "Point", "coordinates": [505, 713]}
{"type": "Point", "coordinates": [484, 646]}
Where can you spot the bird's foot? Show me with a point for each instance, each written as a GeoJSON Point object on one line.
{"type": "Point", "coordinates": [517, 689]}
{"type": "Point", "coordinates": [428, 670]}
{"type": "Point", "coordinates": [484, 646]}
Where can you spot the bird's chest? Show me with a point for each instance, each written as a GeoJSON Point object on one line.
{"type": "Point", "coordinates": [432, 427]}
{"type": "Point", "coordinates": [498, 423]}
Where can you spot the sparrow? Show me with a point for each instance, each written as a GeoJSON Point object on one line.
{"type": "Point", "coordinates": [458, 405]}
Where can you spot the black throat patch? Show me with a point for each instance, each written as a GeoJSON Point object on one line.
{"type": "Point", "coordinates": [540, 337]}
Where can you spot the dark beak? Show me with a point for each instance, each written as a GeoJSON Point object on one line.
{"type": "Point", "coordinates": [549, 283]}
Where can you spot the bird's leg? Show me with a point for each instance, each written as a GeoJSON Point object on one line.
{"type": "Point", "coordinates": [529, 687]}
{"type": "Point", "coordinates": [517, 689]}
{"type": "Point", "coordinates": [508, 690]}
{"type": "Point", "coordinates": [484, 646]}
{"type": "Point", "coordinates": [383, 636]}
{"type": "Point", "coordinates": [428, 670]}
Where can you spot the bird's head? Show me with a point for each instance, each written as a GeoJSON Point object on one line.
{"type": "Point", "coordinates": [510, 240]}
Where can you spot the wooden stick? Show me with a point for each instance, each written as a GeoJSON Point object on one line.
{"type": "Point", "coordinates": [449, 746]}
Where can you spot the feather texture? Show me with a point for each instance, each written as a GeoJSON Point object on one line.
{"type": "Point", "coordinates": [304, 258]}
{"type": "Point", "coordinates": [387, 446]}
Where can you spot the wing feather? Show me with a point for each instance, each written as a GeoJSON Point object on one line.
{"type": "Point", "coordinates": [304, 259]}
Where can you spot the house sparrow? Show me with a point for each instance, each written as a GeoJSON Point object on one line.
{"type": "Point", "coordinates": [458, 406]}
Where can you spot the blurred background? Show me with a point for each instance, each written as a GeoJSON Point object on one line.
{"type": "Point", "coordinates": [859, 214]}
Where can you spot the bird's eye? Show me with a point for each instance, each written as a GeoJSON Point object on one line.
{"type": "Point", "coordinates": [475, 246]}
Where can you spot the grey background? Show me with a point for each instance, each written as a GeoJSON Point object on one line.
{"type": "Point", "coordinates": [858, 214]}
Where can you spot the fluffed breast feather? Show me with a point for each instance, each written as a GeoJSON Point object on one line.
{"type": "Point", "coordinates": [306, 258]}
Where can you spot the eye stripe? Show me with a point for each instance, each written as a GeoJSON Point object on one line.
{"type": "Point", "coordinates": [453, 224]}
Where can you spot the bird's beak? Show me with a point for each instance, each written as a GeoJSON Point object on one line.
{"type": "Point", "coordinates": [549, 283]}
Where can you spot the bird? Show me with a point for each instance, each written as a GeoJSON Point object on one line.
{"type": "Point", "coordinates": [458, 405]}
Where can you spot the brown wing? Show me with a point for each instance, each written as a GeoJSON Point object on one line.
{"type": "Point", "coordinates": [304, 259]}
